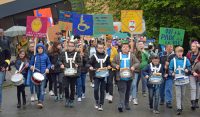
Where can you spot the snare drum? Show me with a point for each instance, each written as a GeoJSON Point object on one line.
{"type": "Point", "coordinates": [154, 79]}
{"type": "Point", "coordinates": [70, 71]}
{"type": "Point", "coordinates": [101, 73]}
{"type": "Point", "coordinates": [125, 73]}
{"type": "Point", "coordinates": [17, 79]}
{"type": "Point", "coordinates": [182, 82]}
{"type": "Point", "coordinates": [37, 78]}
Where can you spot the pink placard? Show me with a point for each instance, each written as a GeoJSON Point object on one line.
{"type": "Point", "coordinates": [36, 26]}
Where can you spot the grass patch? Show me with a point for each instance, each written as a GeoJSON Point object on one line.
{"type": "Point", "coordinates": [8, 86]}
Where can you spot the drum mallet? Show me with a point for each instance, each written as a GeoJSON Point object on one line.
{"type": "Point", "coordinates": [23, 68]}
{"type": "Point", "coordinates": [8, 73]}
{"type": "Point", "coordinates": [74, 63]}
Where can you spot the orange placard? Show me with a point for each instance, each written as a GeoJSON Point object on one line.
{"type": "Point", "coordinates": [45, 13]}
{"type": "Point", "coordinates": [65, 26]}
{"type": "Point", "coordinates": [116, 28]}
{"type": "Point", "coordinates": [51, 31]}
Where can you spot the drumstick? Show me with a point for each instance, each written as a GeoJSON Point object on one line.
{"type": "Point", "coordinates": [43, 74]}
{"type": "Point", "coordinates": [74, 63]}
{"type": "Point", "coordinates": [8, 73]}
{"type": "Point", "coordinates": [37, 69]}
{"type": "Point", "coordinates": [196, 59]}
{"type": "Point", "coordinates": [23, 68]}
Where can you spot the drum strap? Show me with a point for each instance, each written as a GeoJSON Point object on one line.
{"type": "Point", "coordinates": [155, 69]}
{"type": "Point", "coordinates": [124, 58]}
{"type": "Point", "coordinates": [70, 59]}
{"type": "Point", "coordinates": [179, 69]}
{"type": "Point", "coordinates": [101, 61]}
{"type": "Point", "coordinates": [21, 66]}
{"type": "Point", "coordinates": [34, 64]}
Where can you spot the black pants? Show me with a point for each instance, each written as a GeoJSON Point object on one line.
{"type": "Point", "coordinates": [91, 77]}
{"type": "Point", "coordinates": [72, 82]}
{"type": "Point", "coordinates": [54, 77]}
{"type": "Point", "coordinates": [20, 89]}
{"type": "Point", "coordinates": [49, 79]}
{"type": "Point", "coordinates": [138, 80]}
{"type": "Point", "coordinates": [109, 84]}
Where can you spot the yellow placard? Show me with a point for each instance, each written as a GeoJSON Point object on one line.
{"type": "Point", "coordinates": [131, 21]}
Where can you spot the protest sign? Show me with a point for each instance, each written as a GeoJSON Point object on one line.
{"type": "Point", "coordinates": [82, 24]}
{"type": "Point", "coordinates": [171, 36]}
{"type": "Point", "coordinates": [65, 26]}
{"type": "Point", "coordinates": [51, 32]}
{"type": "Point", "coordinates": [118, 25]}
{"type": "Point", "coordinates": [103, 24]}
{"type": "Point", "coordinates": [121, 35]}
{"type": "Point", "coordinates": [66, 16]}
{"type": "Point", "coordinates": [45, 13]}
{"type": "Point", "coordinates": [36, 26]}
{"type": "Point", "coordinates": [116, 28]}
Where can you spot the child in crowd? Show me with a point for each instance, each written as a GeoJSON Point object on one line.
{"type": "Point", "coordinates": [153, 67]}
{"type": "Point", "coordinates": [20, 62]}
{"type": "Point", "coordinates": [40, 62]}
{"type": "Point", "coordinates": [125, 60]}
{"type": "Point", "coordinates": [179, 67]}
{"type": "Point", "coordinates": [99, 60]}
{"type": "Point", "coordinates": [70, 59]}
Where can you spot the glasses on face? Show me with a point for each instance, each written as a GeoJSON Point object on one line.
{"type": "Point", "coordinates": [31, 46]}
{"type": "Point", "coordinates": [70, 46]}
{"type": "Point", "coordinates": [100, 48]}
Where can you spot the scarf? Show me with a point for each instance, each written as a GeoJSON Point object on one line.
{"type": "Point", "coordinates": [23, 43]}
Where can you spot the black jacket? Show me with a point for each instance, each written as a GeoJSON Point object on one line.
{"type": "Point", "coordinates": [4, 54]}
{"type": "Point", "coordinates": [53, 60]}
{"type": "Point", "coordinates": [6, 40]}
{"type": "Point", "coordinates": [119, 49]}
{"type": "Point", "coordinates": [85, 61]}
{"type": "Point", "coordinates": [30, 54]}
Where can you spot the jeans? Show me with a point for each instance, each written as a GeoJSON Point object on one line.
{"type": "Point", "coordinates": [32, 89]}
{"type": "Point", "coordinates": [124, 91]}
{"type": "Point", "coordinates": [166, 90]}
{"type": "Point", "coordinates": [154, 92]}
{"type": "Point", "coordinates": [81, 84]}
{"type": "Point", "coordinates": [109, 84]}
{"type": "Point", "coordinates": [144, 81]}
{"type": "Point", "coordinates": [133, 86]}
{"type": "Point", "coordinates": [60, 77]}
{"type": "Point", "coordinates": [40, 90]}
{"type": "Point", "coordinates": [97, 81]}
{"type": "Point", "coordinates": [2, 76]}
{"type": "Point", "coordinates": [72, 82]}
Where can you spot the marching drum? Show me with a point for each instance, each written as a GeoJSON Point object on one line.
{"type": "Point", "coordinates": [182, 82]}
{"type": "Point", "coordinates": [102, 72]}
{"type": "Point", "coordinates": [17, 79]}
{"type": "Point", "coordinates": [156, 78]}
{"type": "Point", "coordinates": [37, 78]}
{"type": "Point", "coordinates": [70, 71]}
{"type": "Point", "coordinates": [125, 73]}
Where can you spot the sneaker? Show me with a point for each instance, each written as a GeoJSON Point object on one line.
{"type": "Point", "coordinates": [40, 104]}
{"type": "Point", "coordinates": [127, 106]}
{"type": "Point", "coordinates": [96, 104]}
{"type": "Point", "coordinates": [135, 101]}
{"type": "Point", "coordinates": [107, 96]}
{"type": "Point", "coordinates": [36, 98]}
{"type": "Point", "coordinates": [110, 98]}
{"type": "Point", "coordinates": [51, 93]}
{"type": "Point", "coordinates": [61, 97]}
{"type": "Point", "coordinates": [151, 106]}
{"type": "Point", "coordinates": [178, 112]}
{"type": "Point", "coordinates": [130, 98]}
{"type": "Point", "coordinates": [156, 111]}
{"type": "Point", "coordinates": [83, 95]}
{"type": "Point", "coordinates": [91, 84]}
{"type": "Point", "coordinates": [55, 98]}
{"type": "Point", "coordinates": [45, 92]}
{"type": "Point", "coordinates": [72, 103]}
{"type": "Point", "coordinates": [100, 107]}
{"type": "Point", "coordinates": [32, 98]}
{"type": "Point", "coordinates": [169, 105]}
{"type": "Point", "coordinates": [67, 103]}
{"type": "Point", "coordinates": [120, 108]}
{"type": "Point", "coordinates": [79, 100]}
{"type": "Point", "coordinates": [144, 94]}
{"type": "Point", "coordinates": [162, 101]}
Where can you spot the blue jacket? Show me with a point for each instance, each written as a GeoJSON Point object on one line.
{"type": "Point", "coordinates": [147, 71]}
{"type": "Point", "coordinates": [17, 66]}
{"type": "Point", "coordinates": [42, 60]}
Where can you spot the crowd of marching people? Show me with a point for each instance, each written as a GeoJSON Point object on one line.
{"type": "Point", "coordinates": [64, 63]}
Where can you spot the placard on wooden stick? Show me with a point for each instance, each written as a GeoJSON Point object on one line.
{"type": "Point", "coordinates": [51, 32]}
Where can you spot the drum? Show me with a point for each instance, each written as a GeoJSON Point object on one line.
{"type": "Point", "coordinates": [179, 76]}
{"type": "Point", "coordinates": [182, 82]}
{"type": "Point", "coordinates": [156, 78]}
{"type": "Point", "coordinates": [17, 79]}
{"type": "Point", "coordinates": [125, 73]}
{"type": "Point", "coordinates": [101, 73]}
{"type": "Point", "coordinates": [37, 78]}
{"type": "Point", "coordinates": [70, 71]}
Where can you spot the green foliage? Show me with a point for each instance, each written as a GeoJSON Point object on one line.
{"type": "Point", "coordinates": [182, 14]}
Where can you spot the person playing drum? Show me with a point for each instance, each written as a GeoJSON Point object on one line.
{"type": "Point", "coordinates": [40, 62]}
{"type": "Point", "coordinates": [125, 63]}
{"type": "Point", "coordinates": [148, 71]}
{"type": "Point", "coordinates": [179, 66]}
{"type": "Point", "coordinates": [20, 62]}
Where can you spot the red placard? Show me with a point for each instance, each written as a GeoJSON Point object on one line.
{"type": "Point", "coordinates": [36, 26]}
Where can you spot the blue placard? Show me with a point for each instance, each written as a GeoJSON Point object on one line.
{"type": "Point", "coordinates": [82, 24]}
{"type": "Point", "coordinates": [103, 24]}
{"type": "Point", "coordinates": [121, 35]}
{"type": "Point", "coordinates": [66, 16]}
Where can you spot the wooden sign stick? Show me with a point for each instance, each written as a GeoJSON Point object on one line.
{"type": "Point", "coordinates": [131, 41]}
{"type": "Point", "coordinates": [82, 44]}
{"type": "Point", "coordinates": [48, 39]}
{"type": "Point", "coordinates": [105, 43]}
{"type": "Point", "coordinates": [35, 45]}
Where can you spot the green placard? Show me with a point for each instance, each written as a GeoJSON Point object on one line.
{"type": "Point", "coordinates": [171, 36]}
{"type": "Point", "coordinates": [121, 35]}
